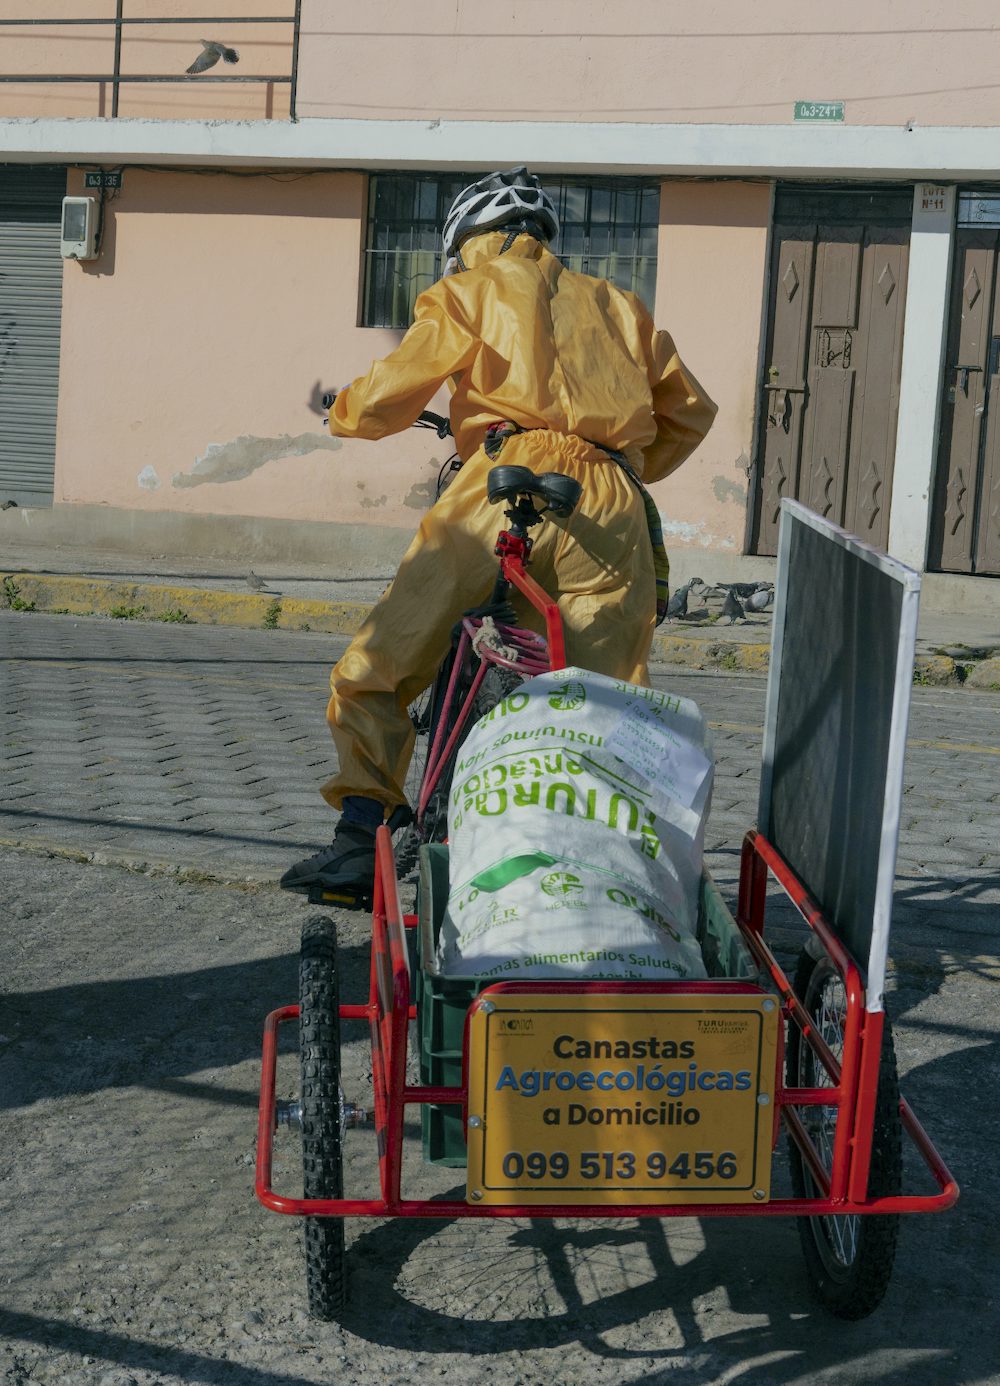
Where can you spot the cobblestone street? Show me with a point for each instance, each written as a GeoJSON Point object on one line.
{"type": "Point", "coordinates": [156, 779]}
{"type": "Point", "coordinates": [204, 747]}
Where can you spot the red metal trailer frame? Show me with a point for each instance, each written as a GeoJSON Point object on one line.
{"type": "Point", "coordinates": [389, 1011]}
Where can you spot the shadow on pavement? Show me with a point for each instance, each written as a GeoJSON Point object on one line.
{"type": "Point", "coordinates": [137, 1353]}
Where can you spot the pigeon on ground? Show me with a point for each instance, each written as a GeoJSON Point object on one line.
{"type": "Point", "coordinates": [213, 52]}
{"type": "Point", "coordinates": [9, 505]}
{"type": "Point", "coordinates": [732, 610]}
{"type": "Point", "coordinates": [257, 584]}
{"type": "Point", "coordinates": [761, 599]}
{"type": "Point", "coordinates": [678, 603]}
{"type": "Point", "coordinates": [742, 589]}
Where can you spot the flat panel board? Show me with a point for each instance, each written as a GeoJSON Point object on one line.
{"type": "Point", "coordinates": [596, 1097]}
{"type": "Point", "coordinates": [837, 707]}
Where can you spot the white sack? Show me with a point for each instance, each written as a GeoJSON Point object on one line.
{"type": "Point", "coordinates": [576, 831]}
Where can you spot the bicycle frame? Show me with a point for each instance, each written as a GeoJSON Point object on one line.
{"type": "Point", "coordinates": [533, 654]}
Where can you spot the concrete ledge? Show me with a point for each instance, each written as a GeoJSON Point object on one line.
{"type": "Point", "coordinates": [704, 647]}
{"type": "Point", "coordinates": [343, 549]}
{"type": "Point", "coordinates": [138, 601]}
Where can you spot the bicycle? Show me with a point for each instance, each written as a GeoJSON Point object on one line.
{"type": "Point", "coordinates": [818, 1063]}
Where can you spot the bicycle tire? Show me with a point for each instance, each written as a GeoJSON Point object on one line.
{"type": "Point", "coordinates": [849, 1259]}
{"type": "Point", "coordinates": [321, 1101]}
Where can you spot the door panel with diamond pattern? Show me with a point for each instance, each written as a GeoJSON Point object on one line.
{"type": "Point", "coordinates": [835, 336]}
{"type": "Point", "coordinates": [965, 530]}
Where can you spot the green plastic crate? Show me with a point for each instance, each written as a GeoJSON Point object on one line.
{"type": "Point", "coordinates": [442, 1002]}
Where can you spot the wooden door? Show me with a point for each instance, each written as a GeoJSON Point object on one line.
{"type": "Point", "coordinates": [965, 525]}
{"type": "Point", "coordinates": [834, 351]}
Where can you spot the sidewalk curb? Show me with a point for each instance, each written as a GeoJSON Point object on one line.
{"type": "Point", "coordinates": [86, 596]}
{"type": "Point", "coordinates": [140, 864]}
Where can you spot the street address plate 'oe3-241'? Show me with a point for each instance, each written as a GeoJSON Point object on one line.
{"type": "Point", "coordinates": [603, 1098]}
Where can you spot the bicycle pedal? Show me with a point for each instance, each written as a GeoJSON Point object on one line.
{"type": "Point", "coordinates": [340, 898]}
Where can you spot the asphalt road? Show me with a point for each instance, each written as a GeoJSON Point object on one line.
{"type": "Point", "coordinates": [154, 780]}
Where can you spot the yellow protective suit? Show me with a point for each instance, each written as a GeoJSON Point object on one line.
{"type": "Point", "coordinates": [574, 358]}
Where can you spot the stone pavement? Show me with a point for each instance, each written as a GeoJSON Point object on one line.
{"type": "Point", "coordinates": [129, 1063]}
{"type": "Point", "coordinates": [958, 640]}
{"type": "Point", "coordinates": [202, 748]}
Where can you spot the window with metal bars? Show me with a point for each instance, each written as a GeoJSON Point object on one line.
{"type": "Point", "coordinates": [608, 228]}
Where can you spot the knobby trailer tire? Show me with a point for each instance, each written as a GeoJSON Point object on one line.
{"type": "Point", "coordinates": [849, 1259]}
{"type": "Point", "coordinates": [321, 1099]}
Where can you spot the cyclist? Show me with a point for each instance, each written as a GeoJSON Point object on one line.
{"type": "Point", "coordinates": [589, 388]}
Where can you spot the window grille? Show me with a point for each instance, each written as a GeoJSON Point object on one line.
{"type": "Point", "coordinates": [608, 228]}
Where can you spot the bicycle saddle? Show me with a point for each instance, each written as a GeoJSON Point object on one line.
{"type": "Point", "coordinates": [559, 492]}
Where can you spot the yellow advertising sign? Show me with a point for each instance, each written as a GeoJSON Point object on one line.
{"type": "Point", "coordinates": [641, 1099]}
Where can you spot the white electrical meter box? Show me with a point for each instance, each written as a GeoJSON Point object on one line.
{"type": "Point", "coordinates": [79, 228]}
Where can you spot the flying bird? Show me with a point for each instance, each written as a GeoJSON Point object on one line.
{"type": "Point", "coordinates": [213, 52]}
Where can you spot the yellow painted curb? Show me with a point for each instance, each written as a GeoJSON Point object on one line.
{"type": "Point", "coordinates": [154, 601]}
{"type": "Point", "coordinates": [147, 601]}
{"type": "Point", "coordinates": [733, 655]}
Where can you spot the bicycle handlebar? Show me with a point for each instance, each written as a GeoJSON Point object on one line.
{"type": "Point", "coordinates": [440, 425]}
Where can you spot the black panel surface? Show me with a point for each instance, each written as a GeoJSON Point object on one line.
{"type": "Point", "coordinates": [838, 667]}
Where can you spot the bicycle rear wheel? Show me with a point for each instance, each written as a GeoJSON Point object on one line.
{"type": "Point", "coordinates": [849, 1258]}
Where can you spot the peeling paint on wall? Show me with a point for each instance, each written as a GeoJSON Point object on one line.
{"type": "Point", "coordinates": [421, 496]}
{"type": "Point", "coordinates": [244, 455]}
{"type": "Point", "coordinates": [148, 479]}
{"type": "Point", "coordinates": [725, 490]}
{"type": "Point", "coordinates": [689, 533]}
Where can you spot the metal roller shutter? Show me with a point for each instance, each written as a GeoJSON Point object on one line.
{"type": "Point", "coordinates": [30, 314]}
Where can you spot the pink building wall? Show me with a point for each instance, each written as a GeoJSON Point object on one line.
{"type": "Point", "coordinates": [221, 300]}
{"type": "Point", "coordinates": [150, 49]}
{"type": "Point", "coordinates": [218, 303]}
{"type": "Point", "coordinates": [644, 60]}
{"type": "Point", "coordinates": [709, 291]}
{"type": "Point", "coordinates": [721, 61]}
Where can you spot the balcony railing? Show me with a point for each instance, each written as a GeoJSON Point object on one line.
{"type": "Point", "coordinates": [116, 79]}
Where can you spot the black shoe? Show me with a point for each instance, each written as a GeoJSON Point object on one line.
{"type": "Point", "coordinates": [341, 874]}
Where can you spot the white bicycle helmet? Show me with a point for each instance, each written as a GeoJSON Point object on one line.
{"type": "Point", "coordinates": [515, 199]}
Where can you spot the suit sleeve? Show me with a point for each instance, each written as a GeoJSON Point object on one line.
{"type": "Point", "coordinates": [396, 389]}
{"type": "Point", "coordinates": [681, 407]}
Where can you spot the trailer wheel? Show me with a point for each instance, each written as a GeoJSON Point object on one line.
{"type": "Point", "coordinates": [322, 1111]}
{"type": "Point", "coordinates": [849, 1258]}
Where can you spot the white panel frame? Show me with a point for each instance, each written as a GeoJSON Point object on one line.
{"type": "Point", "coordinates": [792, 513]}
